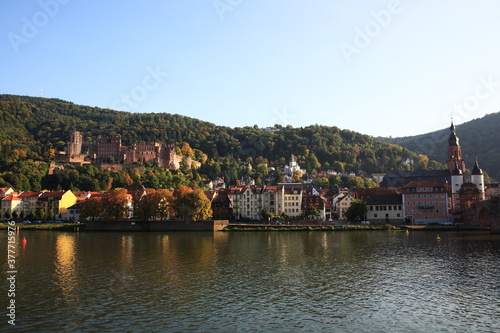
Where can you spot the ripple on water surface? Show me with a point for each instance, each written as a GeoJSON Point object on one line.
{"type": "Point", "coordinates": [260, 282]}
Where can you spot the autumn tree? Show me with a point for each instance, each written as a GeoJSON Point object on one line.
{"type": "Point", "coordinates": [166, 199]}
{"type": "Point", "coordinates": [154, 204]}
{"type": "Point", "coordinates": [128, 180]}
{"type": "Point", "coordinates": [116, 203]}
{"type": "Point", "coordinates": [192, 204]}
{"type": "Point", "coordinates": [297, 176]}
{"type": "Point", "coordinates": [91, 208]}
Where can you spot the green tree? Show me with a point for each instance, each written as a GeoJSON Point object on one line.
{"type": "Point", "coordinates": [311, 211]}
{"type": "Point", "coordinates": [322, 182]}
{"type": "Point", "coordinates": [40, 214]}
{"type": "Point", "coordinates": [357, 210]}
{"type": "Point", "coordinates": [266, 215]}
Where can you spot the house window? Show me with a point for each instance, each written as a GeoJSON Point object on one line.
{"type": "Point", "coordinates": [374, 215]}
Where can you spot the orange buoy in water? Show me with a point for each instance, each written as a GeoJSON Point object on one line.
{"type": "Point", "coordinates": [24, 241]}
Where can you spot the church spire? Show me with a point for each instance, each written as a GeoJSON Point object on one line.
{"type": "Point", "coordinates": [453, 139]}
{"type": "Point", "coordinates": [454, 151]}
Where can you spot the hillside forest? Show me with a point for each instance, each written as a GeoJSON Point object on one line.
{"type": "Point", "coordinates": [33, 130]}
{"type": "Point", "coordinates": [478, 138]}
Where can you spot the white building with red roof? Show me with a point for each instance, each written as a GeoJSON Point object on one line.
{"type": "Point", "coordinates": [5, 191]}
{"type": "Point", "coordinates": [11, 204]}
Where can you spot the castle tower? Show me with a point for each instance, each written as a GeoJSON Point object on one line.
{"type": "Point", "coordinates": [477, 178]}
{"type": "Point", "coordinates": [454, 152]}
{"type": "Point", "coordinates": [75, 143]}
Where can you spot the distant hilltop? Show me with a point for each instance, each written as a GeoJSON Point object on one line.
{"type": "Point", "coordinates": [479, 138]}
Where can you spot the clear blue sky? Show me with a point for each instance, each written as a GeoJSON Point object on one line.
{"type": "Point", "coordinates": [388, 68]}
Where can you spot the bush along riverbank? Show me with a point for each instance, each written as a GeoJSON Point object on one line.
{"type": "Point", "coordinates": [255, 227]}
{"type": "Point", "coordinates": [264, 227]}
{"type": "Point", "coordinates": [44, 226]}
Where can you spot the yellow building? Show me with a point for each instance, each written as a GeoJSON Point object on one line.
{"type": "Point", "coordinates": [58, 202]}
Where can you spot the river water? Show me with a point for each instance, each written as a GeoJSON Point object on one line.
{"type": "Point", "coordinates": [340, 281]}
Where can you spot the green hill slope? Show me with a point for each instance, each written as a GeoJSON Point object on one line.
{"type": "Point", "coordinates": [40, 125]}
{"type": "Point", "coordinates": [479, 137]}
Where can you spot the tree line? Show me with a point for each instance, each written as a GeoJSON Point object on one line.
{"type": "Point", "coordinates": [149, 205]}
{"type": "Point", "coordinates": [35, 129]}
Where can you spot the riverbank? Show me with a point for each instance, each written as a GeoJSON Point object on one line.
{"type": "Point", "coordinates": [194, 226]}
{"type": "Point", "coordinates": [266, 227]}
{"type": "Point", "coordinates": [348, 227]}
{"type": "Point", "coordinates": [45, 226]}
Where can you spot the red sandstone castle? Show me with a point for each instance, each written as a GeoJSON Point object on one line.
{"type": "Point", "coordinates": [110, 149]}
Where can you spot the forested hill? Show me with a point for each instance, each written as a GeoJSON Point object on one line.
{"type": "Point", "coordinates": [479, 137]}
{"type": "Point", "coordinates": [38, 125]}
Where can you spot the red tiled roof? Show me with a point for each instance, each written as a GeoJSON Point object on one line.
{"type": "Point", "coordinates": [11, 198]}
{"type": "Point", "coordinates": [56, 194]}
{"type": "Point", "coordinates": [423, 183]}
{"type": "Point", "coordinates": [29, 194]}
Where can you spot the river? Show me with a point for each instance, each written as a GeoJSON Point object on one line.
{"type": "Point", "coordinates": [334, 281]}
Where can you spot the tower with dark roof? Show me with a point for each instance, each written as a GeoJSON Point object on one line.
{"type": "Point", "coordinates": [477, 178]}
{"type": "Point", "coordinates": [454, 151]}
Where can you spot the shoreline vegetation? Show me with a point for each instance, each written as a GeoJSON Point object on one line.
{"type": "Point", "coordinates": [268, 227]}
{"type": "Point", "coordinates": [44, 226]}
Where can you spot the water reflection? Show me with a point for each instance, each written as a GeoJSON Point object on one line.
{"type": "Point", "coordinates": [65, 265]}
{"type": "Point", "coordinates": [264, 281]}
{"type": "Point", "coordinates": [127, 252]}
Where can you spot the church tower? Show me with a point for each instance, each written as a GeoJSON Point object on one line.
{"type": "Point", "coordinates": [454, 152]}
{"type": "Point", "coordinates": [477, 178]}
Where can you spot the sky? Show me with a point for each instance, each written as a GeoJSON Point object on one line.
{"type": "Point", "coordinates": [383, 68]}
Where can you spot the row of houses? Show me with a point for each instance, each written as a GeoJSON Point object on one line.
{"type": "Point", "coordinates": [424, 201]}
{"type": "Point", "coordinates": [240, 202]}
{"type": "Point", "coordinates": [63, 205]}
{"type": "Point", "coordinates": [293, 200]}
